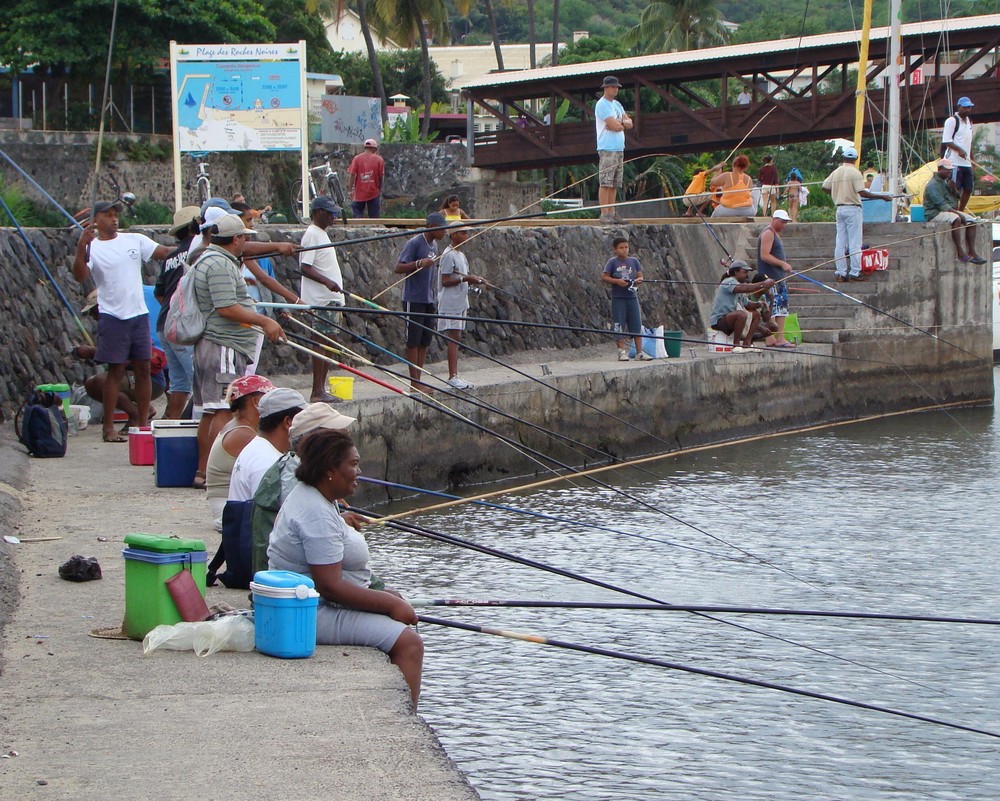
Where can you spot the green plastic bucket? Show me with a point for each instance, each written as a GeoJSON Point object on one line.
{"type": "Point", "coordinates": [672, 342]}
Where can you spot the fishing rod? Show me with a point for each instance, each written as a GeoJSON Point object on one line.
{"type": "Point", "coordinates": [421, 531]}
{"type": "Point", "coordinates": [48, 274]}
{"type": "Point", "coordinates": [714, 674]}
{"type": "Point", "coordinates": [715, 609]}
{"type": "Point", "coordinates": [39, 188]}
{"type": "Point", "coordinates": [530, 452]}
{"type": "Point", "coordinates": [104, 110]}
{"type": "Point", "coordinates": [713, 283]}
{"type": "Point", "coordinates": [542, 516]}
{"type": "Point", "coordinates": [891, 316]}
{"type": "Point", "coordinates": [550, 326]}
{"type": "Point", "coordinates": [481, 404]}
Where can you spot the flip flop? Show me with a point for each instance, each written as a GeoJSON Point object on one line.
{"type": "Point", "coordinates": [199, 480]}
{"type": "Point", "coordinates": [114, 437]}
{"type": "Point", "coordinates": [783, 345]}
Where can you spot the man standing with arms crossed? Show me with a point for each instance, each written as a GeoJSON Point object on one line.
{"type": "Point", "coordinates": [847, 186]}
{"type": "Point", "coordinates": [956, 145]}
{"type": "Point", "coordinates": [612, 122]}
{"type": "Point", "coordinates": [115, 262]}
{"type": "Point", "coordinates": [365, 188]}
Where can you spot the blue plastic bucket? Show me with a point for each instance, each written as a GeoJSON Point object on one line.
{"type": "Point", "coordinates": [284, 611]}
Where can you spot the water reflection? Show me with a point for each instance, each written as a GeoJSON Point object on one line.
{"type": "Point", "coordinates": [894, 515]}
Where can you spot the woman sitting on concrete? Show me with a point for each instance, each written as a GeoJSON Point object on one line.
{"type": "Point", "coordinates": [736, 186]}
{"type": "Point", "coordinates": [311, 537]}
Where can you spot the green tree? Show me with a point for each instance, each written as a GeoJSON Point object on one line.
{"type": "Point", "coordinates": [401, 70]}
{"type": "Point", "coordinates": [667, 25]}
{"type": "Point", "coordinates": [73, 37]}
{"type": "Point", "coordinates": [409, 22]}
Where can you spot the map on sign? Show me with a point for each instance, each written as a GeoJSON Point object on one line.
{"type": "Point", "coordinates": [238, 105]}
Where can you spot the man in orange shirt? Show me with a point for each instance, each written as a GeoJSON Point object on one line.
{"type": "Point", "coordinates": [366, 173]}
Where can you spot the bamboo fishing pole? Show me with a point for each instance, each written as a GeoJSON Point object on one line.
{"type": "Point", "coordinates": [714, 674]}
{"type": "Point", "coordinates": [714, 609]}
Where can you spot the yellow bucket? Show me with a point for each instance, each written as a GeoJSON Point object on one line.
{"type": "Point", "coordinates": [342, 387]}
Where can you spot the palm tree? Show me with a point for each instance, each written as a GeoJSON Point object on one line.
{"type": "Point", "coordinates": [555, 32]}
{"type": "Point", "coordinates": [671, 25]}
{"type": "Point", "coordinates": [531, 33]}
{"type": "Point", "coordinates": [410, 21]}
{"type": "Point", "coordinates": [334, 9]}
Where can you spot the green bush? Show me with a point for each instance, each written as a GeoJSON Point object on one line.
{"type": "Point", "coordinates": [26, 212]}
{"type": "Point", "coordinates": [146, 212]}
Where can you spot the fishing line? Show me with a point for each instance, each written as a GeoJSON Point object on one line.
{"type": "Point", "coordinates": [482, 404]}
{"type": "Point", "coordinates": [715, 674]}
{"type": "Point", "coordinates": [541, 515]}
{"type": "Point", "coordinates": [413, 528]}
{"type": "Point", "coordinates": [526, 450]}
{"type": "Point", "coordinates": [735, 610]}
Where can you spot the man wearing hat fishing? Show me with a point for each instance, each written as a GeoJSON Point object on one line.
{"type": "Point", "coordinates": [612, 122]}
{"type": "Point", "coordinates": [846, 185]}
{"type": "Point", "coordinates": [365, 188]}
{"type": "Point", "coordinates": [956, 145]}
{"type": "Point", "coordinates": [115, 262]}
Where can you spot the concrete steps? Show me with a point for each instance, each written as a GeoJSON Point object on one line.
{"type": "Point", "coordinates": [822, 314]}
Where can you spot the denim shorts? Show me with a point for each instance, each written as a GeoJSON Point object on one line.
{"type": "Point", "coordinates": [180, 363]}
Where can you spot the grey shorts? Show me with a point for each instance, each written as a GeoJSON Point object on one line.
{"type": "Point", "coordinates": [215, 368]}
{"type": "Point", "coordinates": [610, 166]}
{"type": "Point", "coordinates": [951, 217]}
{"type": "Point", "coordinates": [337, 626]}
{"type": "Point", "coordinates": [456, 323]}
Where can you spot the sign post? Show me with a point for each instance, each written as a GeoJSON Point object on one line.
{"type": "Point", "coordinates": [237, 99]}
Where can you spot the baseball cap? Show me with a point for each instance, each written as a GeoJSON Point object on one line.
{"type": "Point", "coordinates": [434, 219]}
{"type": "Point", "coordinates": [781, 214]}
{"type": "Point", "coordinates": [739, 264]}
{"type": "Point", "coordinates": [371, 143]}
{"type": "Point", "coordinates": [324, 203]}
{"type": "Point", "coordinates": [850, 154]}
{"type": "Point", "coordinates": [945, 164]}
{"type": "Point", "coordinates": [247, 385]}
{"type": "Point", "coordinates": [316, 416]}
{"type": "Point", "coordinates": [212, 216]}
{"type": "Point", "coordinates": [462, 229]}
{"type": "Point", "coordinates": [280, 399]}
{"type": "Point", "coordinates": [183, 217]}
{"type": "Point", "coordinates": [107, 205]}
{"type": "Point", "coordinates": [215, 202]}
{"type": "Point", "coordinates": [964, 102]}
{"type": "Point", "coordinates": [611, 80]}
{"type": "Point", "coordinates": [231, 225]}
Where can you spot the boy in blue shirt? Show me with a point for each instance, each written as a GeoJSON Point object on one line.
{"type": "Point", "coordinates": [624, 273]}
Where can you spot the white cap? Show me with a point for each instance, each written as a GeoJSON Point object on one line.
{"type": "Point", "coordinates": [781, 214]}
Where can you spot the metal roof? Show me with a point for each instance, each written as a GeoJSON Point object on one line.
{"type": "Point", "coordinates": [624, 66]}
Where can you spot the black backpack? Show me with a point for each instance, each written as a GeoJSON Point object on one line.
{"type": "Point", "coordinates": [41, 425]}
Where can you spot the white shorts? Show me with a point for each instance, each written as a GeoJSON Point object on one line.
{"type": "Point", "coordinates": [452, 323]}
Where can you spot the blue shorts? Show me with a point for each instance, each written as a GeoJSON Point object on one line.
{"type": "Point", "coordinates": [779, 301]}
{"type": "Point", "coordinates": [121, 341]}
{"type": "Point", "coordinates": [626, 315]}
{"type": "Point", "coordinates": [180, 364]}
{"type": "Point", "coordinates": [964, 178]}
{"type": "Point", "coordinates": [420, 327]}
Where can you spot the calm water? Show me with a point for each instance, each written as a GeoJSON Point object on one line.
{"type": "Point", "coordinates": [890, 516]}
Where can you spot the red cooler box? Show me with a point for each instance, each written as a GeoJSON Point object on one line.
{"type": "Point", "coordinates": [140, 446]}
{"type": "Point", "coordinates": [175, 446]}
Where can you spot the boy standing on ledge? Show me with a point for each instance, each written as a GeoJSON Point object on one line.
{"type": "Point", "coordinates": [624, 273]}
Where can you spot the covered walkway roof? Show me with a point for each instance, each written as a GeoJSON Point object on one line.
{"type": "Point", "coordinates": [801, 84]}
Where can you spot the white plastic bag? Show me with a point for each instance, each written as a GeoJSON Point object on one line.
{"type": "Point", "coordinates": [229, 633]}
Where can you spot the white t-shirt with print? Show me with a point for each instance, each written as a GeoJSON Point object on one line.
{"type": "Point", "coordinates": [324, 261]}
{"type": "Point", "coordinates": [116, 265]}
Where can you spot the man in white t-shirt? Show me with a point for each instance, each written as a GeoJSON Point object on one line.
{"type": "Point", "coordinates": [277, 409]}
{"type": "Point", "coordinates": [321, 285]}
{"type": "Point", "coordinates": [956, 145]}
{"type": "Point", "coordinates": [115, 262]}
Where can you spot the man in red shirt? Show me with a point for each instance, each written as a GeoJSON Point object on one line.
{"type": "Point", "coordinates": [367, 171]}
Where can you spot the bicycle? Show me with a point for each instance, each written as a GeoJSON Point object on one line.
{"type": "Point", "coordinates": [204, 182]}
{"type": "Point", "coordinates": [328, 184]}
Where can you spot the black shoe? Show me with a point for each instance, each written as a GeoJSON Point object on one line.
{"type": "Point", "coordinates": [977, 260]}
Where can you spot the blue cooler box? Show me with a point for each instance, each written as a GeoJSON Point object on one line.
{"type": "Point", "coordinates": [175, 452]}
{"type": "Point", "coordinates": [284, 611]}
